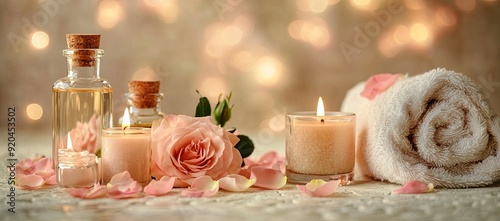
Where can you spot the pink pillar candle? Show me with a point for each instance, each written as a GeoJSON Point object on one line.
{"type": "Point", "coordinates": [126, 150]}
{"type": "Point", "coordinates": [320, 147]}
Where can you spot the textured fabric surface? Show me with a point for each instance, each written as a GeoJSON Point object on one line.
{"type": "Point", "coordinates": [435, 127]}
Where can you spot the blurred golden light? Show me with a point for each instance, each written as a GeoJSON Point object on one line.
{"type": "Point", "coordinates": [319, 36]}
{"type": "Point", "coordinates": [231, 35]}
{"type": "Point", "coordinates": [212, 87]}
{"type": "Point", "coordinates": [153, 3]}
{"type": "Point", "coordinates": [295, 28]}
{"type": "Point", "coordinates": [445, 17]}
{"type": "Point", "coordinates": [244, 23]}
{"type": "Point", "coordinates": [419, 32]}
{"type": "Point", "coordinates": [109, 13]}
{"type": "Point", "coordinates": [34, 111]}
{"type": "Point", "coordinates": [402, 35]}
{"type": "Point", "coordinates": [313, 31]}
{"type": "Point", "coordinates": [466, 5]}
{"type": "Point", "coordinates": [268, 71]}
{"type": "Point", "coordinates": [388, 46]}
{"type": "Point", "coordinates": [243, 60]}
{"type": "Point", "coordinates": [360, 2]}
{"type": "Point", "coordinates": [365, 4]}
{"type": "Point", "coordinates": [317, 6]}
{"type": "Point", "coordinates": [414, 4]}
{"type": "Point", "coordinates": [40, 40]}
{"type": "Point", "coordinates": [302, 5]}
{"type": "Point", "coordinates": [216, 47]}
{"type": "Point", "coordinates": [333, 2]}
{"type": "Point", "coordinates": [277, 123]}
{"type": "Point", "coordinates": [145, 74]}
{"type": "Point", "coordinates": [168, 11]}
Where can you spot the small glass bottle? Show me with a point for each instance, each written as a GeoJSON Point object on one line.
{"type": "Point", "coordinates": [81, 101]}
{"type": "Point", "coordinates": [76, 169]}
{"type": "Point", "coordinates": [143, 101]}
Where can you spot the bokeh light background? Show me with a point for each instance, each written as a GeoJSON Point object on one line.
{"type": "Point", "coordinates": [275, 56]}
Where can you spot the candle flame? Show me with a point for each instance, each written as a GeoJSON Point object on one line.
{"type": "Point", "coordinates": [69, 144]}
{"type": "Point", "coordinates": [126, 120]}
{"type": "Point", "coordinates": [320, 112]}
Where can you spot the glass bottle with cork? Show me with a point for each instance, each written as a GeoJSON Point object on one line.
{"type": "Point", "coordinates": [143, 101]}
{"type": "Point", "coordinates": [81, 101]}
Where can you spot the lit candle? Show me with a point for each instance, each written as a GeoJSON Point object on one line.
{"type": "Point", "coordinates": [126, 149]}
{"type": "Point", "coordinates": [76, 169]}
{"type": "Point", "coordinates": [320, 145]}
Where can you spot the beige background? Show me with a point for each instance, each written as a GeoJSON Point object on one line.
{"type": "Point", "coordinates": [275, 56]}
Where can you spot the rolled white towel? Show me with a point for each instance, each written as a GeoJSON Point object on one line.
{"type": "Point", "coordinates": [436, 127]}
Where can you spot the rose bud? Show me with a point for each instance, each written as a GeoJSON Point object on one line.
{"type": "Point", "coordinates": [222, 111]}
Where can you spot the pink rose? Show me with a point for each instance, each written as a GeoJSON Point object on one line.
{"type": "Point", "coordinates": [84, 136]}
{"type": "Point", "coordinates": [187, 147]}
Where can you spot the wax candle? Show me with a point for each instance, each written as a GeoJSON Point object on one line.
{"type": "Point", "coordinates": [320, 145]}
{"type": "Point", "coordinates": [76, 169]}
{"type": "Point", "coordinates": [126, 149]}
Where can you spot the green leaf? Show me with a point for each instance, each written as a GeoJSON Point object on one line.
{"type": "Point", "coordinates": [244, 146]}
{"type": "Point", "coordinates": [203, 108]}
{"type": "Point", "coordinates": [232, 130]}
{"type": "Point", "coordinates": [98, 153]}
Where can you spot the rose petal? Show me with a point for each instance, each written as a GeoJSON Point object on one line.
{"type": "Point", "coordinates": [267, 160]}
{"type": "Point", "coordinates": [25, 167]}
{"type": "Point", "coordinates": [235, 183]}
{"type": "Point", "coordinates": [131, 190]}
{"type": "Point", "coordinates": [51, 180]}
{"type": "Point", "coordinates": [203, 186]}
{"type": "Point", "coordinates": [88, 193]}
{"type": "Point", "coordinates": [414, 186]}
{"type": "Point", "coordinates": [245, 172]}
{"type": "Point", "coordinates": [318, 187]}
{"type": "Point", "coordinates": [120, 178]}
{"type": "Point", "coordinates": [30, 181]}
{"type": "Point", "coordinates": [378, 83]}
{"type": "Point", "coordinates": [268, 178]}
{"type": "Point", "coordinates": [122, 185]}
{"type": "Point", "coordinates": [161, 187]}
{"type": "Point", "coordinates": [43, 165]}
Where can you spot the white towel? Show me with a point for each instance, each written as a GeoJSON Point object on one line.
{"type": "Point", "coordinates": [436, 127]}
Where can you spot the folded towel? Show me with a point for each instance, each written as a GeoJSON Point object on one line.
{"type": "Point", "coordinates": [436, 127]}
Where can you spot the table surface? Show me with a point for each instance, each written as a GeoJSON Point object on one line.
{"type": "Point", "coordinates": [360, 201]}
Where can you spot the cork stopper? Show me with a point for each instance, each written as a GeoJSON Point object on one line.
{"type": "Point", "coordinates": [143, 94]}
{"type": "Point", "coordinates": [81, 42]}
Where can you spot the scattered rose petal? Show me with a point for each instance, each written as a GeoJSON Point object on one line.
{"type": "Point", "coordinates": [319, 187]}
{"type": "Point", "coordinates": [30, 171]}
{"type": "Point", "coordinates": [203, 186]}
{"type": "Point", "coordinates": [268, 178]}
{"type": "Point", "coordinates": [122, 186]}
{"type": "Point", "coordinates": [31, 181]}
{"type": "Point", "coordinates": [245, 172]}
{"type": "Point", "coordinates": [161, 187]}
{"type": "Point", "coordinates": [235, 183]}
{"type": "Point", "coordinates": [413, 187]}
{"type": "Point", "coordinates": [88, 193]}
{"type": "Point", "coordinates": [51, 180]}
{"type": "Point", "coordinates": [378, 83]}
